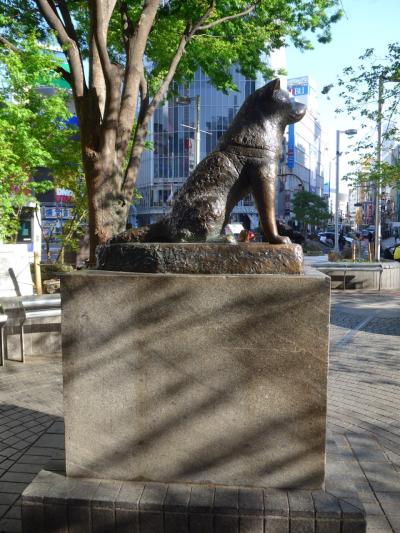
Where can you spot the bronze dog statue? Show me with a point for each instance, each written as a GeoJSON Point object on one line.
{"type": "Point", "coordinates": [245, 160]}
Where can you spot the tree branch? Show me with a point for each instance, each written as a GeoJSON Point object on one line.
{"type": "Point", "coordinates": [172, 69]}
{"type": "Point", "coordinates": [5, 42]}
{"type": "Point", "coordinates": [65, 74]}
{"type": "Point", "coordinates": [69, 25]}
{"type": "Point", "coordinates": [207, 13]}
{"type": "Point", "coordinates": [147, 110]}
{"type": "Point", "coordinates": [127, 28]}
{"type": "Point", "coordinates": [134, 73]}
{"type": "Point", "coordinates": [145, 114]}
{"type": "Point", "coordinates": [100, 29]}
{"type": "Point", "coordinates": [188, 34]}
{"type": "Point", "coordinates": [229, 17]}
{"type": "Point", "coordinates": [70, 47]}
{"type": "Point", "coordinates": [101, 13]}
{"type": "Point", "coordinates": [144, 93]}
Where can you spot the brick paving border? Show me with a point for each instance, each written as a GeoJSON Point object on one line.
{"type": "Point", "coordinates": [363, 445]}
{"type": "Point", "coordinates": [31, 429]}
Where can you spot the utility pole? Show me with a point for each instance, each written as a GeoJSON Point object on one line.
{"type": "Point", "coordinates": [378, 188]}
{"type": "Point", "coordinates": [338, 132]}
{"type": "Point", "coordinates": [336, 246]}
{"type": "Point", "coordinates": [197, 130]}
{"type": "Point", "coordinates": [185, 100]}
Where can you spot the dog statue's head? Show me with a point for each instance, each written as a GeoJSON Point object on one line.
{"type": "Point", "coordinates": [274, 100]}
{"type": "Point", "coordinates": [262, 119]}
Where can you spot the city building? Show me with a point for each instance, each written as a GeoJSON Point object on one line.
{"type": "Point", "coordinates": [362, 199]}
{"type": "Point", "coordinates": [303, 164]}
{"type": "Point", "coordinates": [391, 194]}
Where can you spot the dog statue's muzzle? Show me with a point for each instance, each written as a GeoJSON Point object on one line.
{"type": "Point", "coordinates": [297, 112]}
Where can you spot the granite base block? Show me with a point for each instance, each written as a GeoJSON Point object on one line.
{"type": "Point", "coordinates": [54, 502]}
{"type": "Point", "coordinates": [201, 258]}
{"type": "Point", "coordinates": [196, 378]}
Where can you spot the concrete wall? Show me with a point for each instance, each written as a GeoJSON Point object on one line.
{"type": "Point", "coordinates": [42, 336]}
{"type": "Point", "coordinates": [390, 277]}
{"type": "Point", "coordinates": [196, 378]}
{"type": "Point", "coordinates": [16, 257]}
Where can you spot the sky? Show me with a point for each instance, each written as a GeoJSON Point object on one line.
{"type": "Point", "coordinates": [366, 24]}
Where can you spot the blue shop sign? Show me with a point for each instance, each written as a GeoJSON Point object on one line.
{"type": "Point", "coordinates": [290, 148]}
{"type": "Point", "coordinates": [57, 212]}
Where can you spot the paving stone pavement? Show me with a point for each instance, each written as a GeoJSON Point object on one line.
{"type": "Point", "coordinates": [363, 442]}
{"type": "Point", "coordinates": [364, 403]}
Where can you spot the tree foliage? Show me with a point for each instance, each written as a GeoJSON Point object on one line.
{"type": "Point", "coordinates": [33, 130]}
{"type": "Point", "coordinates": [135, 49]}
{"type": "Point", "coordinates": [309, 208]}
{"type": "Point", "coordinates": [358, 88]}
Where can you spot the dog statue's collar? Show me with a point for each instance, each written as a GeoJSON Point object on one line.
{"type": "Point", "coordinates": [247, 151]}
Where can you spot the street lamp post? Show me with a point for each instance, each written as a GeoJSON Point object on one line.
{"type": "Point", "coordinates": [378, 189]}
{"type": "Point", "coordinates": [290, 175]}
{"type": "Point", "coordinates": [338, 132]}
{"type": "Point", "coordinates": [301, 186]}
{"type": "Point", "coordinates": [197, 130]}
{"type": "Point", "coordinates": [188, 100]}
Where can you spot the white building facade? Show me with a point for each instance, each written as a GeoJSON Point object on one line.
{"type": "Point", "coordinates": [304, 161]}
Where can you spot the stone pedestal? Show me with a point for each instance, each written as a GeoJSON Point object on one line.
{"type": "Point", "coordinates": [185, 396]}
{"type": "Point", "coordinates": [196, 378]}
{"type": "Point", "coordinates": [53, 502]}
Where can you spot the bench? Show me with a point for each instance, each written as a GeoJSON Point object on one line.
{"type": "Point", "coordinates": [351, 281]}
{"type": "Point", "coordinates": [22, 308]}
{"type": "Point", "coordinates": [3, 321]}
{"type": "Point", "coordinates": [351, 269]}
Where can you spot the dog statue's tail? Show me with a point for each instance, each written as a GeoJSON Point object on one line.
{"type": "Point", "coordinates": [157, 232]}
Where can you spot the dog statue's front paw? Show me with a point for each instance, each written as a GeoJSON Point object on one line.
{"type": "Point", "coordinates": [278, 239]}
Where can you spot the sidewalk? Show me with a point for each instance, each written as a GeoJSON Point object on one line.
{"type": "Point", "coordinates": [363, 413]}
{"type": "Point", "coordinates": [364, 404]}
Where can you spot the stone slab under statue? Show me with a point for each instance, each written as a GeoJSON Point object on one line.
{"type": "Point", "coordinates": [202, 258]}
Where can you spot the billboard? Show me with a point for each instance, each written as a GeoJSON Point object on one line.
{"type": "Point", "coordinates": [63, 195]}
{"type": "Point", "coordinates": [298, 86]}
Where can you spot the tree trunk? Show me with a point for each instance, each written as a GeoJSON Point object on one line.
{"type": "Point", "coordinates": [103, 194]}
{"type": "Point", "coordinates": [108, 209]}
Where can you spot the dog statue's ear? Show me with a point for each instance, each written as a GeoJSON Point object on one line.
{"type": "Point", "coordinates": [276, 85]}
{"type": "Point", "coordinates": [272, 86]}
